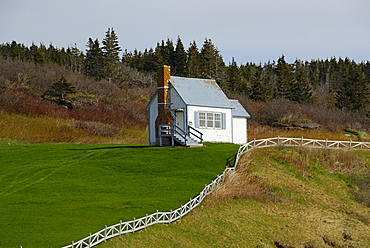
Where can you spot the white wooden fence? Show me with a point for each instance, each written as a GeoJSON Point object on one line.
{"type": "Point", "coordinates": [173, 215]}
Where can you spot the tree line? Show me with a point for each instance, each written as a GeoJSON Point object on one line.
{"type": "Point", "coordinates": [340, 82]}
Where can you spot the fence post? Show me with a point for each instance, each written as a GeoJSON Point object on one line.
{"type": "Point", "coordinates": [105, 233]}
{"type": "Point", "coordinates": [302, 141]}
{"type": "Point", "coordinates": [326, 143]}
{"type": "Point", "coordinates": [90, 240]}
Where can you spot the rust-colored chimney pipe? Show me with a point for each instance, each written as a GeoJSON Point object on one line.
{"type": "Point", "coordinates": [163, 117]}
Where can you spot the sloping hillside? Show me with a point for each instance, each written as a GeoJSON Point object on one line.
{"type": "Point", "coordinates": [51, 103]}
{"type": "Point", "coordinates": [277, 198]}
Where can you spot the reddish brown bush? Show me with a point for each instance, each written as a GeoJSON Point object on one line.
{"type": "Point", "coordinates": [22, 84]}
{"type": "Point", "coordinates": [21, 102]}
{"type": "Point", "coordinates": [283, 113]}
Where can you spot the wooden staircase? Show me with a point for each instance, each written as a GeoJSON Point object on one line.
{"type": "Point", "coordinates": [172, 135]}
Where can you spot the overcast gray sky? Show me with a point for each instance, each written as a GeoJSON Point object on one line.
{"type": "Point", "coordinates": [248, 30]}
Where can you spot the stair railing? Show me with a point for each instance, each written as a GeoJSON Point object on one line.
{"type": "Point", "coordinates": [178, 134]}
{"type": "Point", "coordinates": [195, 133]}
{"type": "Point", "coordinates": [171, 130]}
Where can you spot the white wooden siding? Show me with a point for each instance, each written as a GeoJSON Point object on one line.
{"type": "Point", "coordinates": [152, 116]}
{"type": "Point", "coordinates": [210, 134]}
{"type": "Point", "coordinates": [240, 130]}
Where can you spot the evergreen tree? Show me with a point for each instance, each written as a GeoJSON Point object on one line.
{"type": "Point", "coordinates": [169, 53]}
{"type": "Point", "coordinates": [149, 62]}
{"type": "Point", "coordinates": [212, 64]}
{"type": "Point", "coordinates": [16, 51]}
{"type": "Point", "coordinates": [285, 79]}
{"type": "Point", "coordinates": [301, 89]}
{"type": "Point", "coordinates": [259, 91]}
{"type": "Point", "coordinates": [160, 56]}
{"type": "Point", "coordinates": [60, 92]}
{"type": "Point", "coordinates": [179, 60]}
{"type": "Point", "coordinates": [165, 54]}
{"type": "Point", "coordinates": [233, 77]}
{"type": "Point", "coordinates": [53, 54]}
{"type": "Point", "coordinates": [193, 65]}
{"type": "Point", "coordinates": [62, 88]}
{"type": "Point", "coordinates": [94, 62]}
{"type": "Point", "coordinates": [353, 94]}
{"type": "Point", "coordinates": [76, 59]}
{"type": "Point", "coordinates": [35, 54]}
{"type": "Point", "coordinates": [111, 51]}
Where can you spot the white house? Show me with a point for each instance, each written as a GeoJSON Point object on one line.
{"type": "Point", "coordinates": [189, 111]}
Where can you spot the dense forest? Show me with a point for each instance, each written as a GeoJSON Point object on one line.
{"type": "Point", "coordinates": [337, 84]}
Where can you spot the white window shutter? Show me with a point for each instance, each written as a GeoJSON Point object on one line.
{"type": "Point", "coordinates": [223, 120]}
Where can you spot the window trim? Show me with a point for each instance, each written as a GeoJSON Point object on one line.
{"type": "Point", "coordinates": [210, 120]}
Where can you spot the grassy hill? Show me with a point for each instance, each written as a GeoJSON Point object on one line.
{"type": "Point", "coordinates": [277, 198]}
{"type": "Point", "coordinates": [52, 194]}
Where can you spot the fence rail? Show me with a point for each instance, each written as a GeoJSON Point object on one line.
{"type": "Point", "coordinates": [173, 215]}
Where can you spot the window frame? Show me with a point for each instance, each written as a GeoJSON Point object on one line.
{"type": "Point", "coordinates": [210, 120]}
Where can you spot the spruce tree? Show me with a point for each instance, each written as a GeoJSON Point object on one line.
{"type": "Point", "coordinates": [94, 62]}
{"type": "Point", "coordinates": [60, 93]}
{"type": "Point", "coordinates": [301, 91]}
{"type": "Point", "coordinates": [233, 77]}
{"type": "Point", "coordinates": [35, 55]}
{"type": "Point", "coordinates": [76, 59]}
{"type": "Point", "coordinates": [169, 53]}
{"type": "Point", "coordinates": [160, 56]}
{"type": "Point", "coordinates": [193, 65]}
{"type": "Point", "coordinates": [212, 64]}
{"type": "Point", "coordinates": [149, 62]}
{"type": "Point", "coordinates": [285, 79]}
{"type": "Point", "coordinates": [62, 88]}
{"type": "Point", "coordinates": [353, 94]}
{"type": "Point", "coordinates": [111, 51]}
{"type": "Point", "coordinates": [259, 91]}
{"type": "Point", "coordinates": [179, 60]}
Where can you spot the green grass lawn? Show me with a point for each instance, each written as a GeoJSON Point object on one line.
{"type": "Point", "coordinates": [52, 194]}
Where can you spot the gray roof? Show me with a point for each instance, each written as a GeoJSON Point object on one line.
{"type": "Point", "coordinates": [200, 92]}
{"type": "Point", "coordinates": [237, 109]}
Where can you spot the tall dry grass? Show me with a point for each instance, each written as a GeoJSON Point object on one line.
{"type": "Point", "coordinates": [242, 184]}
{"type": "Point", "coordinates": [258, 131]}
{"type": "Point", "coordinates": [245, 184]}
{"type": "Point", "coordinates": [44, 129]}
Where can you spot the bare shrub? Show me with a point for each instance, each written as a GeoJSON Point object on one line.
{"type": "Point", "coordinates": [279, 112]}
{"type": "Point", "coordinates": [98, 101]}
{"type": "Point", "coordinates": [137, 78]}
{"type": "Point", "coordinates": [335, 119]}
{"type": "Point", "coordinates": [283, 113]}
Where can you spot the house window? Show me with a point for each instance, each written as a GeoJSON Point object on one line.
{"type": "Point", "coordinates": [210, 120]}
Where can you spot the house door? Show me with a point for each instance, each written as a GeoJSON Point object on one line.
{"type": "Point", "coordinates": [180, 119]}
